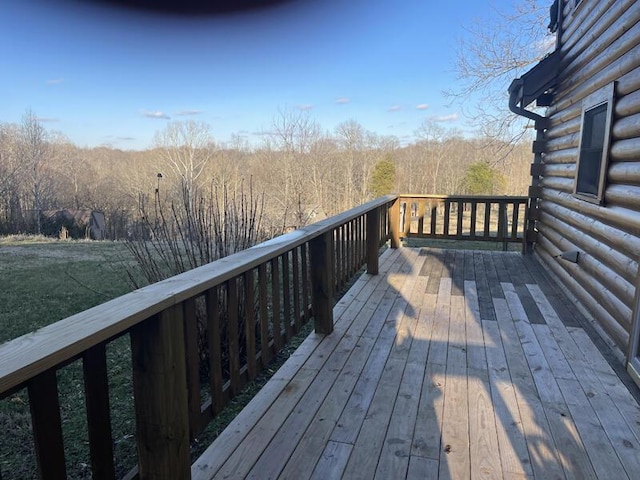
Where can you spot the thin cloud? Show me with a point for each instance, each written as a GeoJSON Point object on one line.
{"type": "Point", "coordinates": [183, 113]}
{"type": "Point", "coordinates": [395, 108]}
{"type": "Point", "coordinates": [109, 139]}
{"type": "Point", "coordinates": [55, 81]}
{"type": "Point", "coordinates": [422, 106]}
{"type": "Point", "coordinates": [155, 114]}
{"type": "Point", "coordinates": [305, 107]}
{"type": "Point", "coordinates": [47, 119]}
{"type": "Point", "coordinates": [445, 118]}
{"type": "Point", "coordinates": [342, 100]}
{"type": "Point", "coordinates": [263, 133]}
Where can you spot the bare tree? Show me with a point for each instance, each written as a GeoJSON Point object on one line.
{"type": "Point", "coordinates": [34, 151]}
{"type": "Point", "coordinates": [187, 148]}
{"type": "Point", "coordinates": [436, 144]}
{"type": "Point", "coordinates": [498, 48]}
{"type": "Point", "coordinates": [294, 131]}
{"type": "Point", "coordinates": [11, 176]}
{"type": "Point", "coordinates": [287, 163]}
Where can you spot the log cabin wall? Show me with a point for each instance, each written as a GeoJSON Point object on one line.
{"type": "Point", "coordinates": [599, 43]}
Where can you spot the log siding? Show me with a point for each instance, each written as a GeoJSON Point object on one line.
{"type": "Point", "coordinates": [599, 44]}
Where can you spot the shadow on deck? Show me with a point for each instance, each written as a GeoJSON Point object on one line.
{"type": "Point", "coordinates": [448, 364]}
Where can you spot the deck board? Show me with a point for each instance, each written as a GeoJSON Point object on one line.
{"type": "Point", "coordinates": [448, 364]}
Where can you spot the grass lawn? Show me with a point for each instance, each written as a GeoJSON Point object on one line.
{"type": "Point", "coordinates": [44, 281]}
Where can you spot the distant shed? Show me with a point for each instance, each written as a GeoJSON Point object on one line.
{"type": "Point", "coordinates": [82, 223]}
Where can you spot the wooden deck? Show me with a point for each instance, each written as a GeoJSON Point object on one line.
{"type": "Point", "coordinates": [449, 364]}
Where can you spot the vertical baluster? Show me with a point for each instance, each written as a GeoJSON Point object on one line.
{"type": "Point", "coordinates": [474, 218]}
{"type": "Point", "coordinates": [275, 303]}
{"type": "Point", "coordinates": [420, 212]}
{"type": "Point", "coordinates": [342, 263]}
{"type": "Point", "coordinates": [47, 425]}
{"type": "Point", "coordinates": [447, 215]}
{"type": "Point", "coordinates": [352, 247]}
{"type": "Point", "coordinates": [215, 354]}
{"type": "Point", "coordinates": [339, 265]}
{"type": "Point", "coordinates": [286, 296]}
{"type": "Point", "coordinates": [406, 218]}
{"type": "Point", "coordinates": [306, 300]}
{"type": "Point", "coordinates": [191, 335]}
{"type": "Point", "coordinates": [296, 287]}
{"type": "Point", "coordinates": [233, 336]}
{"type": "Point", "coordinates": [358, 245]}
{"type": "Point", "coordinates": [347, 251]}
{"type": "Point", "coordinates": [383, 220]}
{"type": "Point", "coordinates": [434, 218]}
{"type": "Point", "coordinates": [250, 323]}
{"type": "Point", "coordinates": [502, 224]}
{"type": "Point", "coordinates": [460, 214]}
{"type": "Point", "coordinates": [264, 315]}
{"type": "Point", "coordinates": [96, 384]}
{"type": "Point", "coordinates": [487, 220]}
{"type": "Point", "coordinates": [363, 241]}
{"type": "Point", "coordinates": [515, 216]}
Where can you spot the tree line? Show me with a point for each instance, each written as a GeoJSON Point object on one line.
{"type": "Point", "coordinates": [301, 171]}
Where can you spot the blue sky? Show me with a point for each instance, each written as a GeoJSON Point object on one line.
{"type": "Point", "coordinates": [101, 76]}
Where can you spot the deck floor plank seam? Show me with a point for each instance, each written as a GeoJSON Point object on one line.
{"type": "Point", "coordinates": [455, 449]}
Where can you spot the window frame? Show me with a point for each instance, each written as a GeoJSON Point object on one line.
{"type": "Point", "coordinates": [603, 96]}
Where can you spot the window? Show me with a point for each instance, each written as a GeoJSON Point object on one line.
{"type": "Point", "coordinates": [594, 145]}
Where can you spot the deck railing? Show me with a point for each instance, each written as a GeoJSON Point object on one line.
{"type": "Point", "coordinates": [463, 217]}
{"type": "Point", "coordinates": [255, 300]}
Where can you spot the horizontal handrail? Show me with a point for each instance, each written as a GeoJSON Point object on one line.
{"type": "Point", "coordinates": [466, 198]}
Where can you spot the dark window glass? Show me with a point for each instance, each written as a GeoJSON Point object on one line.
{"type": "Point", "coordinates": [592, 146]}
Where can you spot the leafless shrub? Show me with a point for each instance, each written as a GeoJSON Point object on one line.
{"type": "Point", "coordinates": [194, 231]}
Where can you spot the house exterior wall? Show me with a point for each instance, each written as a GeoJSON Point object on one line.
{"type": "Point", "coordinates": [599, 43]}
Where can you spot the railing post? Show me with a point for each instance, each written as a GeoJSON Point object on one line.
{"type": "Point", "coordinates": [373, 240]}
{"type": "Point", "coordinates": [160, 393]}
{"type": "Point", "coordinates": [321, 260]}
{"type": "Point", "coordinates": [394, 223]}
